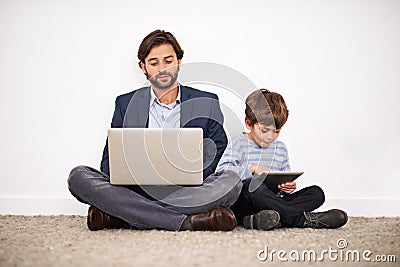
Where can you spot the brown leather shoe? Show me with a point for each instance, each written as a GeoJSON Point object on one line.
{"type": "Point", "coordinates": [218, 219]}
{"type": "Point", "coordinates": [97, 220]}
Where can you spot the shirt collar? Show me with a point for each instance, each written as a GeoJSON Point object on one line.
{"type": "Point", "coordinates": [153, 97]}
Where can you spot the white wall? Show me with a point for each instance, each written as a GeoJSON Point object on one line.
{"type": "Point", "coordinates": [62, 63]}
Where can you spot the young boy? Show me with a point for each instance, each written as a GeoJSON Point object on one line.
{"type": "Point", "coordinates": [259, 150]}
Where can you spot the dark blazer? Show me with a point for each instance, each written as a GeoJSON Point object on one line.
{"type": "Point", "coordinates": [198, 109]}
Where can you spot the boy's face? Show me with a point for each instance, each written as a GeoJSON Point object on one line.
{"type": "Point", "coordinates": [263, 135]}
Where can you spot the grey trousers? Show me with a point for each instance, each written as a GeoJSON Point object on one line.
{"type": "Point", "coordinates": [166, 211]}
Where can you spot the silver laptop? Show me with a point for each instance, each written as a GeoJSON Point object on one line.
{"type": "Point", "coordinates": [148, 156]}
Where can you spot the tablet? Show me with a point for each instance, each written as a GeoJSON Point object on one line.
{"type": "Point", "coordinates": [273, 179]}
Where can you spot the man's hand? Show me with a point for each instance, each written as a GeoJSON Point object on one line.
{"type": "Point", "coordinates": [288, 187]}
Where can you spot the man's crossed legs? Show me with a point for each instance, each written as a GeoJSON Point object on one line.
{"type": "Point", "coordinates": [202, 207]}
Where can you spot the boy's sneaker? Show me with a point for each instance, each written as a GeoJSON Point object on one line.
{"type": "Point", "coordinates": [263, 220]}
{"type": "Point", "coordinates": [329, 219]}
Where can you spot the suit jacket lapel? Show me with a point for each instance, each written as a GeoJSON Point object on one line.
{"type": "Point", "coordinates": [143, 107]}
{"type": "Point", "coordinates": [186, 107]}
{"type": "Point", "coordinates": [137, 111]}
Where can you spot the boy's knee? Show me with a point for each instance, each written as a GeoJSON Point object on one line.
{"type": "Point", "coordinates": [256, 193]}
{"type": "Point", "coordinates": [262, 190]}
{"type": "Point", "coordinates": [318, 193]}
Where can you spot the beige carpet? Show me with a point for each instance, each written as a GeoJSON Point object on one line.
{"type": "Point", "coordinates": [66, 241]}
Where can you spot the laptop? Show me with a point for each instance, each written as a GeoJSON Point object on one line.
{"type": "Point", "coordinates": [155, 156]}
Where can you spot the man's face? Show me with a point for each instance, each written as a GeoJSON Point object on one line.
{"type": "Point", "coordinates": [263, 135]}
{"type": "Point", "coordinates": [161, 67]}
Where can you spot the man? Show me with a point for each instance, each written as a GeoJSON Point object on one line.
{"type": "Point", "coordinates": [165, 103]}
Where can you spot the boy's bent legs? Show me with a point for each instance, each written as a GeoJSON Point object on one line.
{"type": "Point", "coordinates": [291, 208]}
{"type": "Point", "coordinates": [220, 189]}
{"type": "Point", "coordinates": [307, 199]}
{"type": "Point", "coordinates": [93, 187]}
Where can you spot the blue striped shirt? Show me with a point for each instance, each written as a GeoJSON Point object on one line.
{"type": "Point", "coordinates": [242, 152]}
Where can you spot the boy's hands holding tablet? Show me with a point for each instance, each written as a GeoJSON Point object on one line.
{"type": "Point", "coordinates": [287, 185]}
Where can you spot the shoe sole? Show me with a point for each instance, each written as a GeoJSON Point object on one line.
{"type": "Point", "coordinates": [264, 220]}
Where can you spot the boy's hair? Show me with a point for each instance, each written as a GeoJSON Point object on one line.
{"type": "Point", "coordinates": [156, 38]}
{"type": "Point", "coordinates": [266, 108]}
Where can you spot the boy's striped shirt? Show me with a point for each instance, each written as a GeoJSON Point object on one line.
{"type": "Point", "coordinates": [242, 152]}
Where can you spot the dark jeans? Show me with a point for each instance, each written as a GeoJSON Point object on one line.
{"type": "Point", "coordinates": [291, 207]}
{"type": "Point", "coordinates": [141, 211]}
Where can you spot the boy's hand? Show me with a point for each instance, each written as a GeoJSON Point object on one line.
{"type": "Point", "coordinates": [288, 187]}
{"type": "Point", "coordinates": [258, 169]}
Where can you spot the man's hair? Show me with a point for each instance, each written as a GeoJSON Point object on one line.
{"type": "Point", "coordinates": [157, 38]}
{"type": "Point", "coordinates": [266, 108]}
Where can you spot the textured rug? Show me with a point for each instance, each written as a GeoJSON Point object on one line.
{"type": "Point", "coordinates": [66, 241]}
